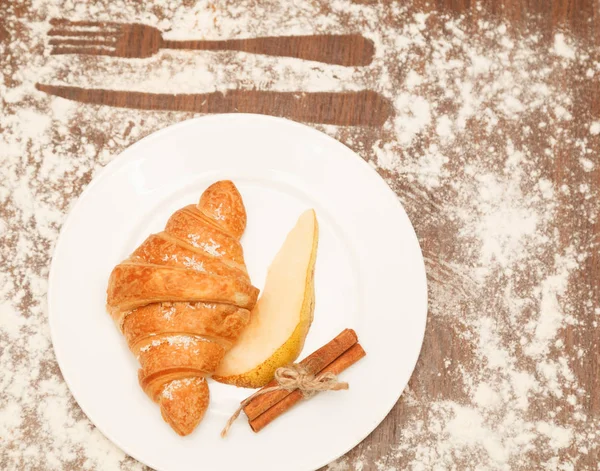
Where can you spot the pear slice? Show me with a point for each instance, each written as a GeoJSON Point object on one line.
{"type": "Point", "coordinates": [282, 316]}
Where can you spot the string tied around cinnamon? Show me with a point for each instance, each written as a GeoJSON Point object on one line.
{"type": "Point", "coordinates": [292, 377]}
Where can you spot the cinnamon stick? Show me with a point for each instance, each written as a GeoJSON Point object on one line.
{"type": "Point", "coordinates": [315, 363]}
{"type": "Point", "coordinates": [345, 360]}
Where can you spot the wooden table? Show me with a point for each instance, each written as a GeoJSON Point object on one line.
{"type": "Point", "coordinates": [483, 117]}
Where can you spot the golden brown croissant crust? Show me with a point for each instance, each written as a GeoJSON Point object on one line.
{"type": "Point", "coordinates": [182, 299]}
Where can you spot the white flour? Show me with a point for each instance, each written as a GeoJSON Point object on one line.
{"type": "Point", "coordinates": [505, 238]}
{"type": "Point", "coordinates": [183, 341]}
{"type": "Point", "coordinates": [194, 264]}
{"type": "Point", "coordinates": [176, 384]}
{"type": "Point", "coordinates": [167, 310]}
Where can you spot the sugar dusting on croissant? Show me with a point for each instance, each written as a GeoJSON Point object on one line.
{"type": "Point", "coordinates": [182, 299]}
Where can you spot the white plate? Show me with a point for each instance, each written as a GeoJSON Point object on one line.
{"type": "Point", "coordinates": [369, 276]}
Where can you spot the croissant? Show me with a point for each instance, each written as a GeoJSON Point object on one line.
{"type": "Point", "coordinates": [182, 299]}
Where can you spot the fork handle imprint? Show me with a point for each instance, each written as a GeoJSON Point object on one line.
{"type": "Point", "coordinates": [346, 49]}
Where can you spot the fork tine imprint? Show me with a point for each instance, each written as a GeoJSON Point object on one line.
{"type": "Point", "coordinates": [94, 51]}
{"type": "Point", "coordinates": [108, 42]}
{"type": "Point", "coordinates": [77, 32]}
{"type": "Point", "coordinates": [93, 24]}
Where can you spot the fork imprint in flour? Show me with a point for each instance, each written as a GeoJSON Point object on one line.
{"type": "Point", "coordinates": [135, 40]}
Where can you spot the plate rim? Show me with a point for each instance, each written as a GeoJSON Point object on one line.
{"type": "Point", "coordinates": [118, 160]}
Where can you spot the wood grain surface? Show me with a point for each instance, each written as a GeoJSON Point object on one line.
{"type": "Point", "coordinates": [364, 106]}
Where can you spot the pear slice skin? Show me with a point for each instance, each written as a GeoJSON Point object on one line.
{"type": "Point", "coordinates": [252, 362]}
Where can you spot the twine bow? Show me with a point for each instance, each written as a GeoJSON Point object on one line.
{"type": "Point", "coordinates": [290, 378]}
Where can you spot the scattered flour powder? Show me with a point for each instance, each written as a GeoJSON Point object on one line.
{"type": "Point", "coordinates": [483, 115]}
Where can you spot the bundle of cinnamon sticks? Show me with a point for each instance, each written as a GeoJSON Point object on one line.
{"type": "Point", "coordinates": [342, 352]}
